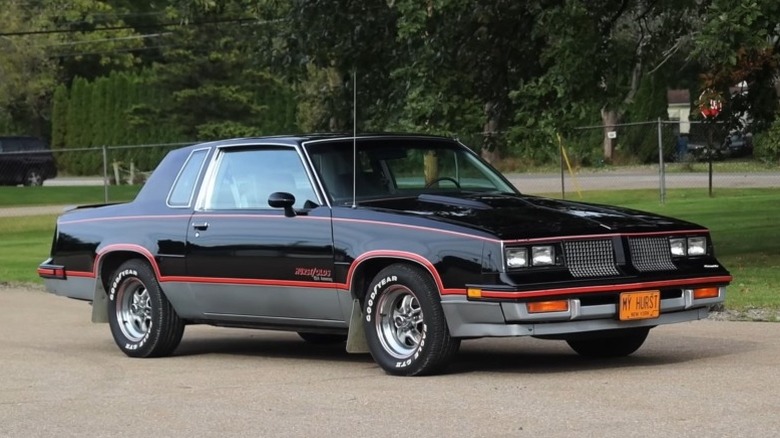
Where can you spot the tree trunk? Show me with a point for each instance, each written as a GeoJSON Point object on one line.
{"type": "Point", "coordinates": [609, 119]}
{"type": "Point", "coordinates": [489, 150]}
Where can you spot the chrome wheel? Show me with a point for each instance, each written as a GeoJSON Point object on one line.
{"type": "Point", "coordinates": [400, 322]}
{"type": "Point", "coordinates": [134, 310]}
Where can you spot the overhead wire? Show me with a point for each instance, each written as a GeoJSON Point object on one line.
{"type": "Point", "coordinates": [149, 26]}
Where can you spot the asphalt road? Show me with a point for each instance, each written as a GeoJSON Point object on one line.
{"type": "Point", "coordinates": [63, 376]}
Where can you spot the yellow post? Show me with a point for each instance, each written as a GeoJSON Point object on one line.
{"type": "Point", "coordinates": [568, 165]}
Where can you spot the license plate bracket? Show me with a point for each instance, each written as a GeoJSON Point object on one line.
{"type": "Point", "coordinates": [639, 305]}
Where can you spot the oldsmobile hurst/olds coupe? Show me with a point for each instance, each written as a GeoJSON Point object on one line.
{"type": "Point", "coordinates": [402, 245]}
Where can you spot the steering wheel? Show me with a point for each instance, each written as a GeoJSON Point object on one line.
{"type": "Point", "coordinates": [443, 178]}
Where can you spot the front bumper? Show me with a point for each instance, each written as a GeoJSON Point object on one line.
{"type": "Point", "coordinates": [511, 318]}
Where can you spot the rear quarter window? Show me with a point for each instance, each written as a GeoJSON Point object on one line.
{"type": "Point", "coordinates": [184, 186]}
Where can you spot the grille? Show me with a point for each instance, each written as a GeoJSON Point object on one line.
{"type": "Point", "coordinates": [650, 254]}
{"type": "Point", "coordinates": [590, 258]}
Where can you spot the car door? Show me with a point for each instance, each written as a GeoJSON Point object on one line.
{"type": "Point", "coordinates": [252, 263]}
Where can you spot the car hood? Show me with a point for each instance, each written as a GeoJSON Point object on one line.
{"type": "Point", "coordinates": [521, 216]}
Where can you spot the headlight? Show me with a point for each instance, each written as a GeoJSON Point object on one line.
{"type": "Point", "coordinates": [691, 246]}
{"type": "Point", "coordinates": [542, 255]}
{"type": "Point", "coordinates": [679, 247]}
{"type": "Point", "coordinates": [697, 246]}
{"type": "Point", "coordinates": [516, 258]}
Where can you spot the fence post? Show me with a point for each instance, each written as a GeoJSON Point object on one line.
{"type": "Point", "coordinates": [105, 174]}
{"type": "Point", "coordinates": [662, 174]}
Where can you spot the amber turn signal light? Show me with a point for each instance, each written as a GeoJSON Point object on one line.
{"type": "Point", "coordinates": [548, 306]}
{"type": "Point", "coordinates": [707, 292]}
{"type": "Point", "coordinates": [474, 293]}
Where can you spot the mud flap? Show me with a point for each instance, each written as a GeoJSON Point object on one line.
{"type": "Point", "coordinates": [100, 304]}
{"type": "Point", "coordinates": [356, 338]}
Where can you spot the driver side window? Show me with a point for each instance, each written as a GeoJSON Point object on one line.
{"type": "Point", "coordinates": [245, 178]}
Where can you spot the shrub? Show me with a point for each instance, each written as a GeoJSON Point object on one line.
{"type": "Point", "coordinates": [767, 144]}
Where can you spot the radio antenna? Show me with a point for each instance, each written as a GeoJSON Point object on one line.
{"type": "Point", "coordinates": [354, 138]}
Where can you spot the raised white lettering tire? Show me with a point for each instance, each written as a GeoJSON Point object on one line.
{"type": "Point", "coordinates": [143, 322]}
{"type": "Point", "coordinates": [610, 343]}
{"type": "Point", "coordinates": [405, 327]}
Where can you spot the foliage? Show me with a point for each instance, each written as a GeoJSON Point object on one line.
{"type": "Point", "coordinates": [767, 144]}
{"type": "Point", "coordinates": [739, 43]}
{"type": "Point", "coordinates": [595, 55]}
{"type": "Point", "coordinates": [31, 65]}
{"type": "Point", "coordinates": [213, 84]}
{"type": "Point", "coordinates": [510, 77]}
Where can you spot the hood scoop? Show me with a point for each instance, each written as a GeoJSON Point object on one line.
{"type": "Point", "coordinates": [453, 201]}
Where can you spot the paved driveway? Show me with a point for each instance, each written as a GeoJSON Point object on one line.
{"type": "Point", "coordinates": [63, 376]}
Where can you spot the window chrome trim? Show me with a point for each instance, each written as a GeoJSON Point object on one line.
{"type": "Point", "coordinates": [197, 177]}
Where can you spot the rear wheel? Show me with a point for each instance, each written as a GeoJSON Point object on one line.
{"type": "Point", "coordinates": [405, 327]}
{"type": "Point", "coordinates": [143, 322]}
{"type": "Point", "coordinates": [33, 177]}
{"type": "Point", "coordinates": [612, 343]}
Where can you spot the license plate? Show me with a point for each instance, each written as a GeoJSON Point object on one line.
{"type": "Point", "coordinates": [640, 305]}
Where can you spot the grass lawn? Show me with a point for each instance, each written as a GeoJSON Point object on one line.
{"type": "Point", "coordinates": [742, 222]}
{"type": "Point", "coordinates": [76, 195]}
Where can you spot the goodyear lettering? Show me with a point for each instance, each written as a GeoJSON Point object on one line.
{"type": "Point", "coordinates": [118, 279]}
{"type": "Point", "coordinates": [374, 292]}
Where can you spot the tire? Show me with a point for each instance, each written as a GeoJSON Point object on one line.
{"type": "Point", "coordinates": [322, 338]}
{"type": "Point", "coordinates": [404, 322]}
{"type": "Point", "coordinates": [613, 343]}
{"type": "Point", "coordinates": [143, 322]}
{"type": "Point", "coordinates": [33, 177]}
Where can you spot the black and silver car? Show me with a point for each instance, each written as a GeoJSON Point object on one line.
{"type": "Point", "coordinates": [398, 245]}
{"type": "Point", "coordinates": [25, 160]}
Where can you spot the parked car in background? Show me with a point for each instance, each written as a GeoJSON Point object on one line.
{"type": "Point", "coordinates": [398, 245]}
{"type": "Point", "coordinates": [25, 160]}
{"type": "Point", "coordinates": [739, 144]}
{"type": "Point", "coordinates": [736, 144]}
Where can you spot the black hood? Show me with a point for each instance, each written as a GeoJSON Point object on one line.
{"type": "Point", "coordinates": [520, 216]}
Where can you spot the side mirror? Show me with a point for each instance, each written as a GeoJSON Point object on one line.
{"type": "Point", "coordinates": [283, 200]}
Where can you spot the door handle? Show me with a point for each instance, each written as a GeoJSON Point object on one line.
{"type": "Point", "coordinates": [200, 226]}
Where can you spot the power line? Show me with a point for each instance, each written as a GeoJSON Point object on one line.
{"type": "Point", "coordinates": [105, 40]}
{"type": "Point", "coordinates": [168, 24]}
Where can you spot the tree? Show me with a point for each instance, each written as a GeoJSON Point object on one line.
{"type": "Point", "coordinates": [597, 52]}
{"type": "Point", "coordinates": [215, 86]}
{"type": "Point", "coordinates": [465, 58]}
{"type": "Point", "coordinates": [38, 38]}
{"type": "Point", "coordinates": [739, 43]}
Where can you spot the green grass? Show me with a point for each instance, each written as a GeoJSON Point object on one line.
{"type": "Point", "coordinates": [76, 195]}
{"type": "Point", "coordinates": [742, 222]}
{"type": "Point", "coordinates": [24, 243]}
{"type": "Point", "coordinates": [744, 230]}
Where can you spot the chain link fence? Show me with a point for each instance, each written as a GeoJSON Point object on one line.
{"type": "Point", "coordinates": [661, 155]}
{"type": "Point", "coordinates": [658, 155]}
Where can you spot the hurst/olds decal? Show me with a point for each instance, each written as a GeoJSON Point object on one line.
{"type": "Point", "coordinates": [316, 274]}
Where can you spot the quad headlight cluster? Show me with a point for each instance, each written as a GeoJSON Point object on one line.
{"type": "Point", "coordinates": [524, 257]}
{"type": "Point", "coordinates": [688, 246]}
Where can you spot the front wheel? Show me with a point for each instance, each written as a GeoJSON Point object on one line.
{"type": "Point", "coordinates": [405, 327]}
{"type": "Point", "coordinates": [143, 322]}
{"type": "Point", "coordinates": [612, 343]}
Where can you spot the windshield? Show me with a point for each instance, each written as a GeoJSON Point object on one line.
{"type": "Point", "coordinates": [401, 167]}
